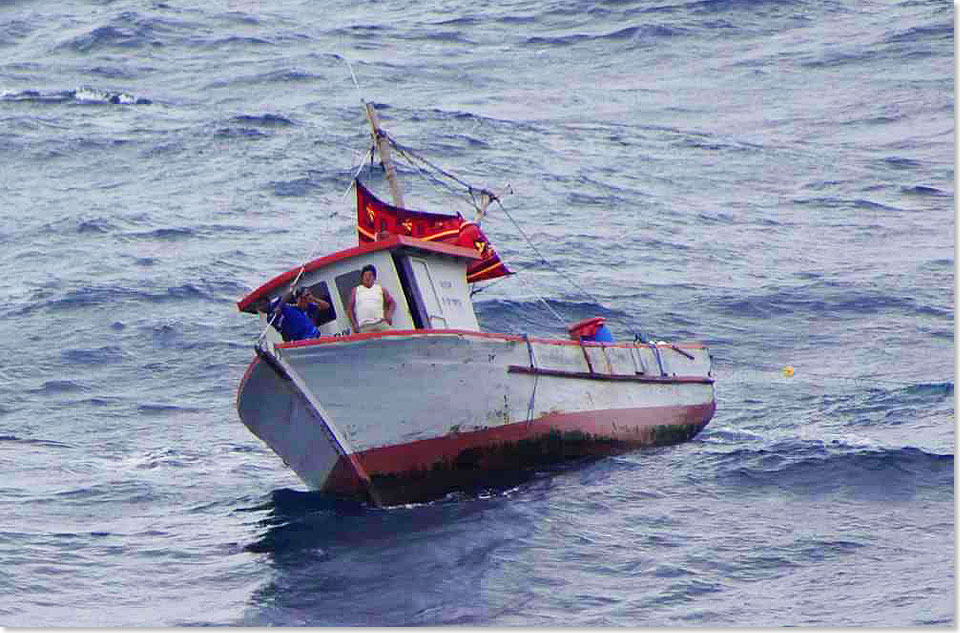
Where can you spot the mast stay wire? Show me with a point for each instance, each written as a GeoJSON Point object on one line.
{"type": "Point", "coordinates": [410, 154]}
{"type": "Point", "coordinates": [403, 152]}
{"type": "Point", "coordinates": [560, 272]}
{"type": "Point", "coordinates": [411, 158]}
{"type": "Point", "coordinates": [787, 372]}
{"type": "Point", "coordinates": [316, 249]}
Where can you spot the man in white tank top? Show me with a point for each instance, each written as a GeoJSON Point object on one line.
{"type": "Point", "coordinates": [371, 307]}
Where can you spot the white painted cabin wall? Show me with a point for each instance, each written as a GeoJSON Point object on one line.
{"type": "Point", "coordinates": [447, 280]}
{"type": "Point", "coordinates": [386, 277]}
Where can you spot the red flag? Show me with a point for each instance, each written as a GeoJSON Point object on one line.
{"type": "Point", "coordinates": [375, 217]}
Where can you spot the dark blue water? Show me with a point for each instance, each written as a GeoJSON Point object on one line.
{"type": "Point", "coordinates": [773, 178]}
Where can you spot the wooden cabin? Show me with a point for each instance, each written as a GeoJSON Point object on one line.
{"type": "Point", "coordinates": [427, 280]}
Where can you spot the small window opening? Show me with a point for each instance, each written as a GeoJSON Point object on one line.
{"type": "Point", "coordinates": [320, 316]}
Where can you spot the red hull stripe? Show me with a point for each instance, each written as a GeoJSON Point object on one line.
{"type": "Point", "coordinates": [432, 467]}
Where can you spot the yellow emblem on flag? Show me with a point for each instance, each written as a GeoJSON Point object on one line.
{"type": "Point", "coordinates": [370, 213]}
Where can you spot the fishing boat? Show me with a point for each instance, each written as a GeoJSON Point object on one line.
{"type": "Point", "coordinates": [434, 404]}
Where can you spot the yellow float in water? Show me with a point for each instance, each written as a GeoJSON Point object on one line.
{"type": "Point", "coordinates": [788, 371]}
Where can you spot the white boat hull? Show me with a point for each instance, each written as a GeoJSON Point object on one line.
{"type": "Point", "coordinates": [408, 416]}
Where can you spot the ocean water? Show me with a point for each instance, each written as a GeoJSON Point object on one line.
{"type": "Point", "coordinates": [775, 178]}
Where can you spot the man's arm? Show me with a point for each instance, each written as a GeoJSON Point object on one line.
{"type": "Point", "coordinates": [350, 310]}
{"type": "Point", "coordinates": [389, 305]}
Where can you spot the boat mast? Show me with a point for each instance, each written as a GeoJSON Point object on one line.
{"type": "Point", "coordinates": [383, 145]}
{"type": "Point", "coordinates": [485, 200]}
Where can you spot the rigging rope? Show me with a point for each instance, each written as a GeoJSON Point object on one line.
{"type": "Point", "coordinates": [555, 269]}
{"type": "Point", "coordinates": [559, 317]}
{"type": "Point", "coordinates": [412, 156]}
{"type": "Point", "coordinates": [355, 82]}
{"type": "Point", "coordinates": [407, 151]}
{"type": "Point", "coordinates": [303, 267]}
{"type": "Point", "coordinates": [357, 171]}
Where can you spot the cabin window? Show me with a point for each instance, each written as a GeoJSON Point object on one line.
{"type": "Point", "coordinates": [346, 283]}
{"type": "Point", "coordinates": [410, 291]}
{"type": "Point", "coordinates": [320, 291]}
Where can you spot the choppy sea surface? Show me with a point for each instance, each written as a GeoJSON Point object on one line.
{"type": "Point", "coordinates": [775, 178]}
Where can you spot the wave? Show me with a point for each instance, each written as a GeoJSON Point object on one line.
{"type": "Point", "coordinates": [201, 289]}
{"type": "Point", "coordinates": [130, 30]}
{"type": "Point", "coordinates": [96, 356]}
{"type": "Point", "coordinates": [93, 95]}
{"type": "Point", "coordinates": [95, 225]}
{"type": "Point", "coordinates": [174, 234]}
{"type": "Point", "coordinates": [887, 405]}
{"type": "Point", "coordinates": [815, 468]}
{"type": "Point", "coordinates": [835, 60]}
{"type": "Point", "coordinates": [102, 494]}
{"type": "Point", "coordinates": [165, 409]}
{"type": "Point", "coordinates": [922, 190]}
{"type": "Point", "coordinates": [944, 389]}
{"type": "Point", "coordinates": [80, 96]}
{"type": "Point", "coordinates": [14, 30]}
{"type": "Point", "coordinates": [647, 34]}
{"type": "Point", "coordinates": [238, 132]}
{"type": "Point", "coordinates": [941, 33]}
{"type": "Point", "coordinates": [263, 120]}
{"type": "Point", "coordinates": [753, 5]}
{"type": "Point", "coordinates": [724, 435]}
{"type": "Point", "coordinates": [282, 76]}
{"type": "Point", "coordinates": [104, 37]}
{"type": "Point", "coordinates": [297, 188]}
{"type": "Point", "coordinates": [859, 204]}
{"type": "Point", "coordinates": [112, 72]}
{"type": "Point", "coordinates": [444, 37]}
{"type": "Point", "coordinates": [51, 387]}
{"type": "Point", "coordinates": [236, 41]}
{"type": "Point", "coordinates": [459, 21]}
{"type": "Point", "coordinates": [899, 162]}
{"type": "Point", "coordinates": [33, 441]}
{"type": "Point", "coordinates": [819, 299]}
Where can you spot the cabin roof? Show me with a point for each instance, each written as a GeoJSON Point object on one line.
{"type": "Point", "coordinates": [394, 242]}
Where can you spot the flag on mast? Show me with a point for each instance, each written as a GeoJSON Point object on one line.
{"type": "Point", "coordinates": [375, 217]}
